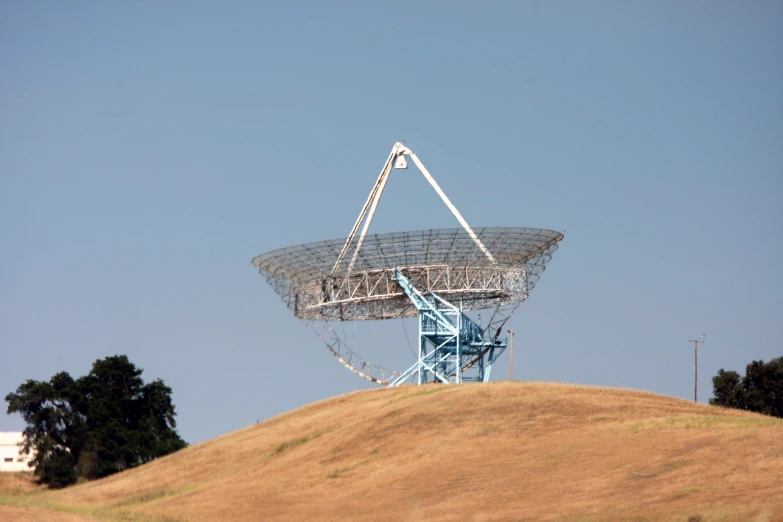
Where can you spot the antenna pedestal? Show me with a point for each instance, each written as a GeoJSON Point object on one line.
{"type": "Point", "coordinates": [450, 342]}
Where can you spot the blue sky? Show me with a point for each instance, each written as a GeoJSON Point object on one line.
{"type": "Point", "coordinates": [149, 150]}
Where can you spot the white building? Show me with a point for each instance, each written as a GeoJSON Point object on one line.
{"type": "Point", "coordinates": [10, 458]}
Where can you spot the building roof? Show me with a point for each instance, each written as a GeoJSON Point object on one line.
{"type": "Point", "coordinates": [10, 438]}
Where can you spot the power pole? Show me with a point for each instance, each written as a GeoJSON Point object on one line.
{"type": "Point", "coordinates": [511, 347]}
{"type": "Point", "coordinates": [696, 365]}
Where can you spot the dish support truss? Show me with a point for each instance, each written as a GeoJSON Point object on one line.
{"type": "Point", "coordinates": [449, 341]}
{"type": "Point", "coordinates": [341, 349]}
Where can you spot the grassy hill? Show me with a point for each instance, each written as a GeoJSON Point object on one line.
{"type": "Point", "coordinates": [502, 451]}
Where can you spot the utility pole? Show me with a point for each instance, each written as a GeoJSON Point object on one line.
{"type": "Point", "coordinates": [696, 365]}
{"type": "Point", "coordinates": [511, 357]}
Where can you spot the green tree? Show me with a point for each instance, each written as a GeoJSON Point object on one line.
{"type": "Point", "coordinates": [727, 389]}
{"type": "Point", "coordinates": [760, 390]}
{"type": "Point", "coordinates": [105, 422]}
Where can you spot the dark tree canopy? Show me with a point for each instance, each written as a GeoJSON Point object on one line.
{"type": "Point", "coordinates": [760, 390]}
{"type": "Point", "coordinates": [99, 424]}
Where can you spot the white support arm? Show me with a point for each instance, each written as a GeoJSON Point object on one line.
{"type": "Point", "coordinates": [448, 203]}
{"type": "Point", "coordinates": [373, 206]}
{"type": "Point", "coordinates": [373, 199]}
{"type": "Point", "coordinates": [368, 211]}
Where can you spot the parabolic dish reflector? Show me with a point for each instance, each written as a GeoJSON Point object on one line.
{"type": "Point", "coordinates": [448, 262]}
{"type": "Point", "coordinates": [436, 274]}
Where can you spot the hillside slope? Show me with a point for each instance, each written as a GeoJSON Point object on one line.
{"type": "Point", "coordinates": [502, 451]}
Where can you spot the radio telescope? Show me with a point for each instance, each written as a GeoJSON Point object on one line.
{"type": "Point", "coordinates": [436, 274]}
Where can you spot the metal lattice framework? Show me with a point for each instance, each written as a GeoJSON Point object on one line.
{"type": "Point", "coordinates": [405, 274]}
{"type": "Point", "coordinates": [445, 261]}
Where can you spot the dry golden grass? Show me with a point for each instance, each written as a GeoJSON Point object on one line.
{"type": "Point", "coordinates": [502, 451]}
{"type": "Point", "coordinates": [15, 490]}
{"type": "Point", "coordinates": [14, 484]}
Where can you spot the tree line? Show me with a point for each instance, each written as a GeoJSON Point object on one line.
{"type": "Point", "coordinates": [759, 390]}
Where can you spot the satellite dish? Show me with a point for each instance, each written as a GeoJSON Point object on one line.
{"type": "Point", "coordinates": [416, 273]}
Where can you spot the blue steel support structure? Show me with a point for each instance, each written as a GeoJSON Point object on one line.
{"type": "Point", "coordinates": [450, 343]}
